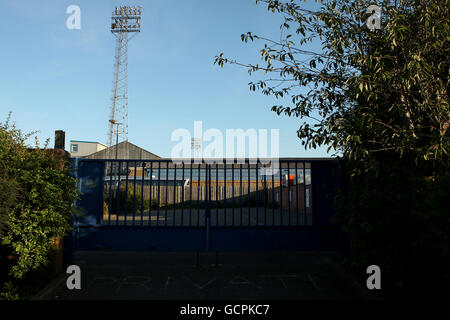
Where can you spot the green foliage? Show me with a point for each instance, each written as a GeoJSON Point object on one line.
{"type": "Point", "coordinates": [9, 292]}
{"type": "Point", "coordinates": [8, 195]}
{"type": "Point", "coordinates": [27, 287]}
{"type": "Point", "coordinates": [365, 91]}
{"type": "Point", "coordinates": [130, 201]}
{"type": "Point", "coordinates": [401, 222]}
{"type": "Point", "coordinates": [11, 141]}
{"type": "Point", "coordinates": [380, 99]}
{"type": "Point", "coordinates": [42, 204]}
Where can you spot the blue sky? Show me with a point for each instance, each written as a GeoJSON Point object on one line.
{"type": "Point", "coordinates": [54, 78]}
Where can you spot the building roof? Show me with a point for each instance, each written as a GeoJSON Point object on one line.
{"type": "Point", "coordinates": [88, 142]}
{"type": "Point", "coordinates": [125, 150]}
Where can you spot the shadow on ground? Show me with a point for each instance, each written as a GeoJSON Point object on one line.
{"type": "Point", "coordinates": [205, 276]}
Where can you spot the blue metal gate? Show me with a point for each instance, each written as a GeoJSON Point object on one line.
{"type": "Point", "coordinates": [165, 206]}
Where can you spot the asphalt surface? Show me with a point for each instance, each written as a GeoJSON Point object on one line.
{"type": "Point", "coordinates": [219, 217]}
{"type": "Point", "coordinates": [208, 275]}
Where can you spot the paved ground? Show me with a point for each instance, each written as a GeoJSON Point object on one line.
{"type": "Point", "coordinates": [221, 217]}
{"type": "Point", "coordinates": [242, 276]}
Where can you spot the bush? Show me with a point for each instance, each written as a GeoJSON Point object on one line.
{"type": "Point", "coordinates": [8, 196]}
{"type": "Point", "coordinates": [9, 292]}
{"type": "Point", "coordinates": [399, 219]}
{"type": "Point", "coordinates": [130, 200]}
{"type": "Point", "coordinates": [10, 150]}
{"type": "Point", "coordinates": [39, 193]}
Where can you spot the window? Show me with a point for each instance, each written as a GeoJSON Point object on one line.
{"type": "Point", "coordinates": [74, 148]}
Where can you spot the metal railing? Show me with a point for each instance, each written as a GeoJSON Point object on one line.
{"type": "Point", "coordinates": [162, 193]}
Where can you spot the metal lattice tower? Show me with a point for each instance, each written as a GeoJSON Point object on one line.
{"type": "Point", "coordinates": [125, 24]}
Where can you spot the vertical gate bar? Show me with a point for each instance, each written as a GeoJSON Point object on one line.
{"type": "Point", "coordinates": [198, 194]}
{"type": "Point", "coordinates": [224, 213]}
{"type": "Point", "coordinates": [217, 193]}
{"type": "Point", "coordinates": [248, 194]}
{"type": "Point", "coordinates": [142, 194]}
{"type": "Point", "coordinates": [190, 192]}
{"type": "Point", "coordinates": [273, 194]}
{"type": "Point", "coordinates": [208, 196]}
{"type": "Point", "coordinates": [240, 193]}
{"type": "Point", "coordinates": [159, 193]}
{"type": "Point", "coordinates": [210, 190]}
{"type": "Point", "coordinates": [174, 193]}
{"type": "Point", "coordinates": [101, 212]}
{"type": "Point", "coordinates": [150, 200]}
{"type": "Point", "coordinates": [304, 190]}
{"type": "Point", "coordinates": [126, 196]}
{"type": "Point", "coordinates": [257, 190]}
{"type": "Point", "coordinates": [310, 196]}
{"type": "Point", "coordinates": [167, 190]}
{"type": "Point", "coordinates": [110, 192]}
{"type": "Point", "coordinates": [134, 192]}
{"type": "Point", "coordinates": [289, 192]}
{"type": "Point", "coordinates": [265, 196]}
{"type": "Point", "coordinates": [232, 193]}
{"type": "Point", "coordinates": [182, 195]}
{"type": "Point", "coordinates": [207, 203]}
{"type": "Point", "coordinates": [118, 193]}
{"type": "Point", "coordinates": [296, 191]}
{"type": "Point", "coordinates": [281, 193]}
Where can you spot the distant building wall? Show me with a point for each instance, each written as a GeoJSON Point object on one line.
{"type": "Point", "coordinates": [84, 148]}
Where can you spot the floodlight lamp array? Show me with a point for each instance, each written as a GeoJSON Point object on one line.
{"type": "Point", "coordinates": [126, 19]}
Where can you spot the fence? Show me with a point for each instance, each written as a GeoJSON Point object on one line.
{"type": "Point", "coordinates": [160, 192]}
{"type": "Point", "coordinates": [161, 205]}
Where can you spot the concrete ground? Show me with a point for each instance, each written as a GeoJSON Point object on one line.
{"type": "Point", "coordinates": [219, 217]}
{"type": "Point", "coordinates": [206, 276]}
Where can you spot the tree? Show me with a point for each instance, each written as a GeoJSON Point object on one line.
{"type": "Point", "coordinates": [11, 148]}
{"type": "Point", "coordinates": [39, 194]}
{"type": "Point", "coordinates": [394, 80]}
{"type": "Point", "coordinates": [380, 98]}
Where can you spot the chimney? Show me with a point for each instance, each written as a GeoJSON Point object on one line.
{"type": "Point", "coordinates": [60, 139]}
